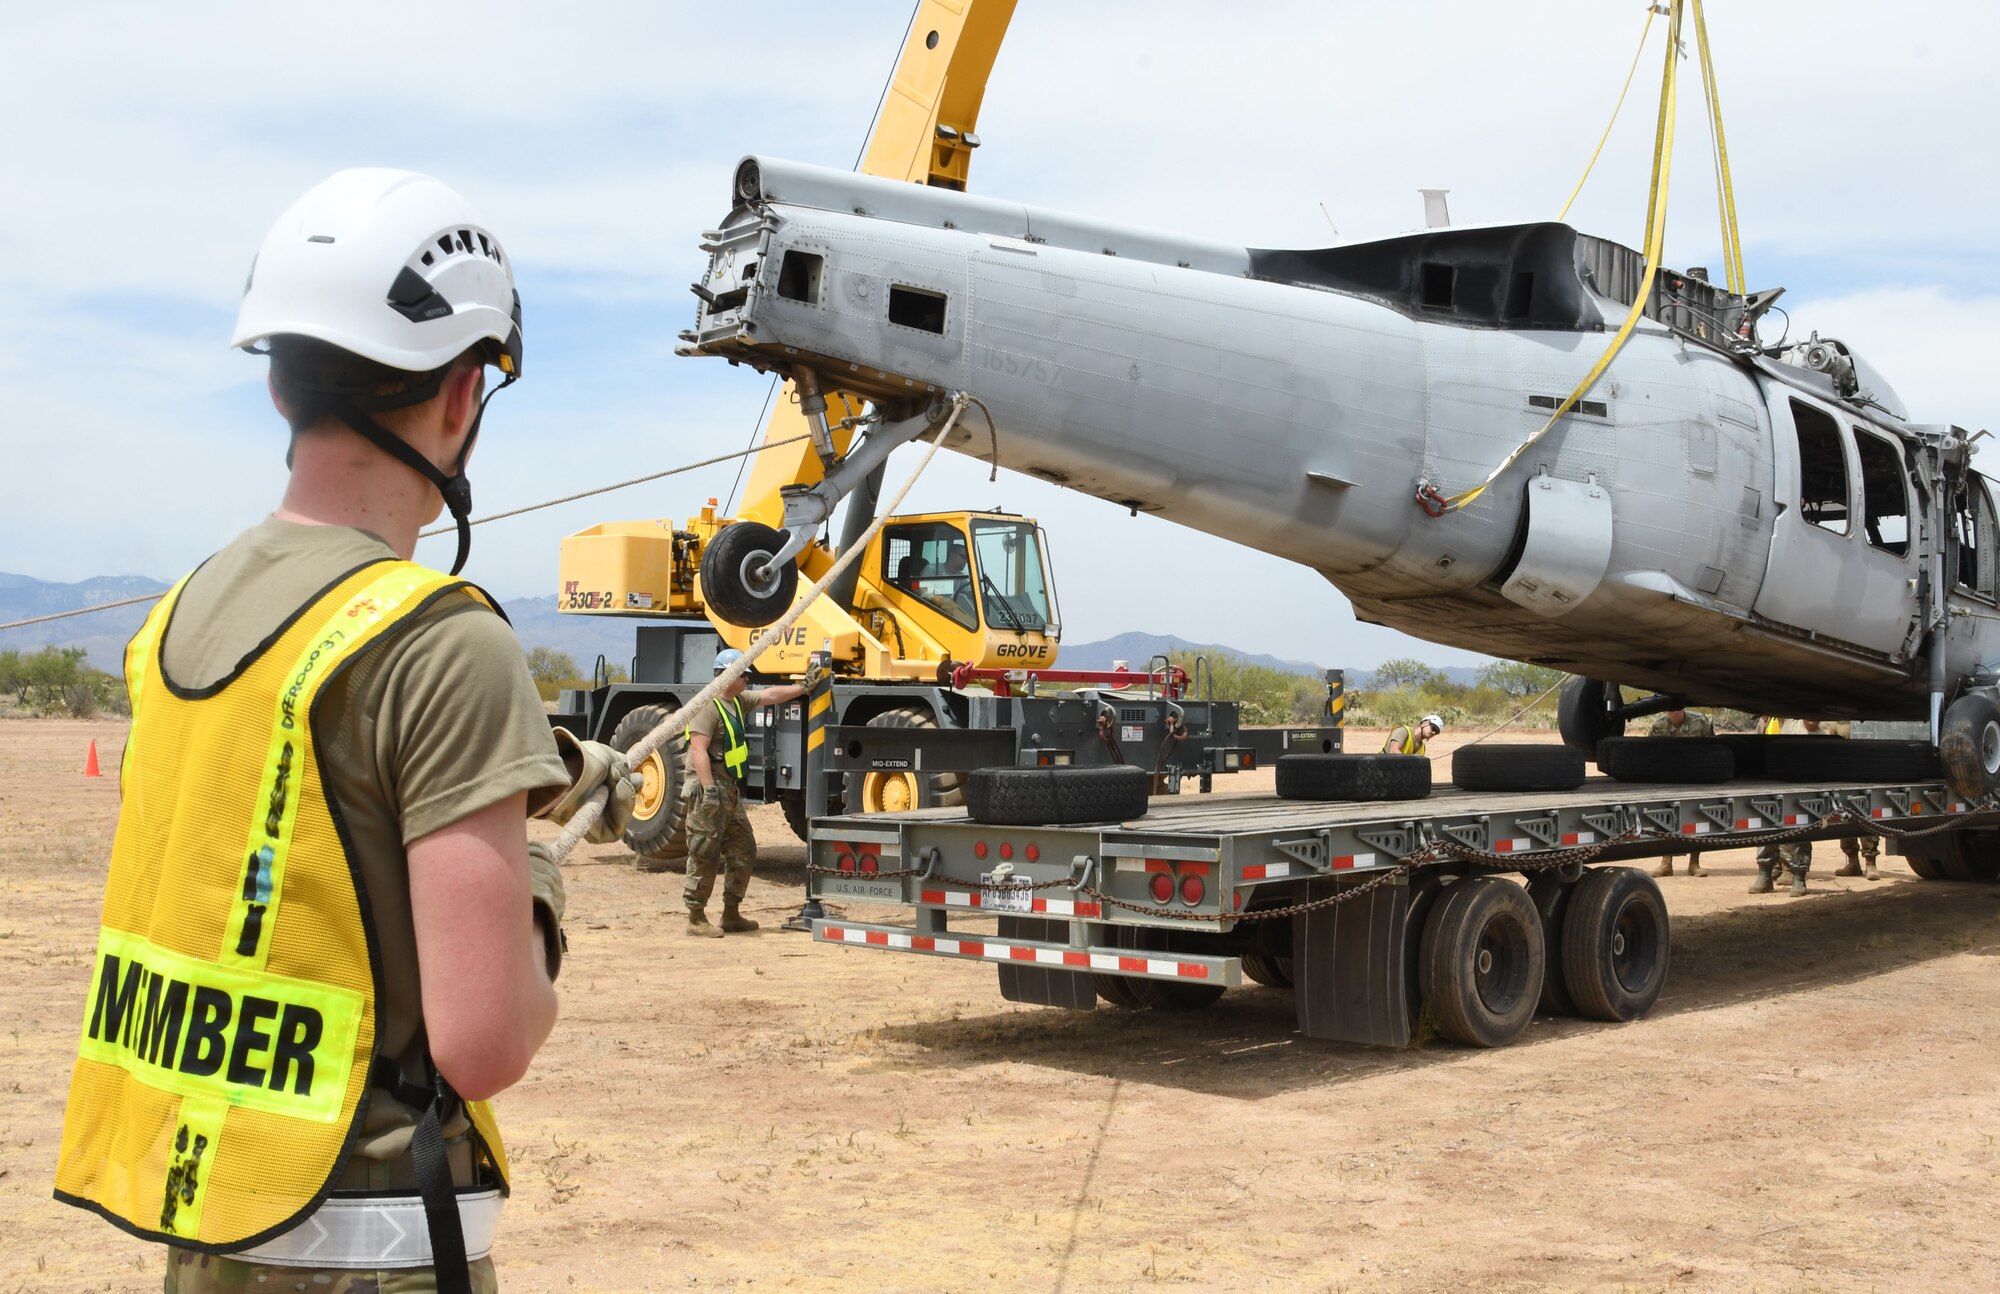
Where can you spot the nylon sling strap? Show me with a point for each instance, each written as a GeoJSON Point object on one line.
{"type": "Point", "coordinates": [448, 1263]}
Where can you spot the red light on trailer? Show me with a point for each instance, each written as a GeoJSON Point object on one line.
{"type": "Point", "coordinates": [979, 849]}
{"type": "Point", "coordinates": [1249, 759]}
{"type": "Point", "coordinates": [845, 862]}
{"type": "Point", "coordinates": [1006, 850]}
{"type": "Point", "coordinates": [1162, 886]}
{"type": "Point", "coordinates": [1043, 760]}
{"type": "Point", "coordinates": [868, 865]}
{"type": "Point", "coordinates": [1191, 890]}
{"type": "Point", "coordinates": [1032, 852]}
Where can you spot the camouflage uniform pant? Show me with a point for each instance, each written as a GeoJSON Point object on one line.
{"type": "Point", "coordinates": [192, 1273]}
{"type": "Point", "coordinates": [719, 839]}
{"type": "Point", "coordinates": [1869, 847]}
{"type": "Point", "coordinates": [1796, 858]}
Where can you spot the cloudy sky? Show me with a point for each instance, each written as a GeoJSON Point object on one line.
{"type": "Point", "coordinates": [150, 146]}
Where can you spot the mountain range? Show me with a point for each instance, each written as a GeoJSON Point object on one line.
{"type": "Point", "coordinates": [536, 621]}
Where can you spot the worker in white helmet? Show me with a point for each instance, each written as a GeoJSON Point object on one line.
{"type": "Point", "coordinates": [1413, 739]}
{"type": "Point", "coordinates": [326, 939]}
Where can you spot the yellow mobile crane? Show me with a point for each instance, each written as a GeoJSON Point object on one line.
{"type": "Point", "coordinates": [940, 600]}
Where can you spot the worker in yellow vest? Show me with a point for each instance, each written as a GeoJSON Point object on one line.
{"type": "Point", "coordinates": [326, 939]}
{"type": "Point", "coordinates": [1408, 740]}
{"type": "Point", "coordinates": [715, 750]}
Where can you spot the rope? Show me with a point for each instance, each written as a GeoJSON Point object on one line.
{"type": "Point", "coordinates": [646, 746]}
{"type": "Point", "coordinates": [1637, 54]}
{"type": "Point", "coordinates": [1436, 504]}
{"type": "Point", "coordinates": [476, 521]}
{"type": "Point", "coordinates": [84, 611]}
{"type": "Point", "coordinates": [1508, 723]}
{"type": "Point", "coordinates": [606, 489]}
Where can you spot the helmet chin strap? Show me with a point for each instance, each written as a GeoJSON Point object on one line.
{"type": "Point", "coordinates": [455, 489]}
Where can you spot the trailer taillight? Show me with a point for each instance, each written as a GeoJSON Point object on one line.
{"type": "Point", "coordinates": [1163, 887]}
{"type": "Point", "coordinates": [845, 862]}
{"type": "Point", "coordinates": [1006, 850]}
{"type": "Point", "coordinates": [868, 866]}
{"type": "Point", "coordinates": [1192, 890]}
{"type": "Point", "coordinates": [979, 849]}
{"type": "Point", "coordinates": [1033, 852]}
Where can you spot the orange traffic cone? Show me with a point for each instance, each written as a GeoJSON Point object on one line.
{"type": "Point", "coordinates": [90, 762]}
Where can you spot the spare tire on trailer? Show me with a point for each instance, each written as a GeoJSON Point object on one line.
{"type": "Point", "coordinates": [1033, 797]}
{"type": "Point", "coordinates": [1698, 760]}
{"type": "Point", "coordinates": [1749, 748]}
{"type": "Point", "coordinates": [1353, 777]}
{"type": "Point", "coordinates": [1859, 760]}
{"type": "Point", "coordinates": [1541, 767]}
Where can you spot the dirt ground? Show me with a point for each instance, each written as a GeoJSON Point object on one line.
{"type": "Point", "coordinates": [1810, 1107]}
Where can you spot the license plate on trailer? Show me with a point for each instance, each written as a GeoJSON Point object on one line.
{"type": "Point", "coordinates": [1002, 898]}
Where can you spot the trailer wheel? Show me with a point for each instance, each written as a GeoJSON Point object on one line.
{"type": "Point", "coordinates": [1694, 760]}
{"type": "Point", "coordinates": [1969, 745]}
{"type": "Point", "coordinates": [1829, 758]}
{"type": "Point", "coordinates": [1615, 944]}
{"type": "Point", "coordinates": [1517, 768]}
{"type": "Point", "coordinates": [1583, 716]}
{"type": "Point", "coordinates": [1424, 896]}
{"type": "Point", "coordinates": [1032, 797]}
{"type": "Point", "coordinates": [877, 792]}
{"type": "Point", "coordinates": [1551, 898]}
{"type": "Point", "coordinates": [1971, 854]}
{"type": "Point", "coordinates": [1117, 990]}
{"type": "Point", "coordinates": [1174, 995]}
{"type": "Point", "coordinates": [1353, 777]}
{"type": "Point", "coordinates": [657, 832]}
{"type": "Point", "coordinates": [1483, 962]}
{"type": "Point", "coordinates": [1925, 867]}
{"type": "Point", "coordinates": [1272, 972]}
{"type": "Point", "coordinates": [734, 582]}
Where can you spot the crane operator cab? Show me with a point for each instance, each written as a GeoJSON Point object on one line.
{"type": "Point", "coordinates": [977, 583]}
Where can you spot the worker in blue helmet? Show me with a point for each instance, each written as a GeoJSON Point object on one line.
{"type": "Point", "coordinates": [715, 751]}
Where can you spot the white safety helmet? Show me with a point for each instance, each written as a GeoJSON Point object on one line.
{"type": "Point", "coordinates": [389, 265]}
{"type": "Point", "coordinates": [396, 268]}
{"type": "Point", "coordinates": [1437, 724]}
{"type": "Point", "coordinates": [726, 657]}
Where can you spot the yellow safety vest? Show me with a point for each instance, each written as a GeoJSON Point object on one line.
{"type": "Point", "coordinates": [735, 749]}
{"type": "Point", "coordinates": [230, 1028]}
{"type": "Point", "coordinates": [1411, 746]}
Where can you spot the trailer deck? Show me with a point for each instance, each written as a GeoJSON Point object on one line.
{"type": "Point", "coordinates": [1184, 893]}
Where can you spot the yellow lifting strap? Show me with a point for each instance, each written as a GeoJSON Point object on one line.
{"type": "Point", "coordinates": [1725, 190]}
{"type": "Point", "coordinates": [1591, 165]}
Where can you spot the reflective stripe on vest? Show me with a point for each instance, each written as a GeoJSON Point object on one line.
{"type": "Point", "coordinates": [230, 1024]}
{"type": "Point", "coordinates": [736, 751]}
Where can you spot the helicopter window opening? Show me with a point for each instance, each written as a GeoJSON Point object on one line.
{"type": "Point", "coordinates": [916, 308]}
{"type": "Point", "coordinates": [1885, 498]}
{"type": "Point", "coordinates": [799, 277]}
{"type": "Point", "coordinates": [1972, 534]}
{"type": "Point", "coordinates": [1823, 499]}
{"type": "Point", "coordinates": [929, 562]}
{"type": "Point", "coordinates": [1588, 408]}
{"type": "Point", "coordinates": [1437, 284]}
{"type": "Point", "coordinates": [1520, 294]}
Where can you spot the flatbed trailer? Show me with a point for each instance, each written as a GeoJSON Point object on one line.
{"type": "Point", "coordinates": [1380, 914]}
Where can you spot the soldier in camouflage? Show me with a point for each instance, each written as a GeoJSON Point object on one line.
{"type": "Point", "coordinates": [1796, 857]}
{"type": "Point", "coordinates": [714, 752]}
{"type": "Point", "coordinates": [1681, 723]}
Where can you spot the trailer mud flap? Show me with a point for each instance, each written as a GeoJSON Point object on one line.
{"type": "Point", "coordinates": [1350, 967]}
{"type": "Point", "coordinates": [1043, 985]}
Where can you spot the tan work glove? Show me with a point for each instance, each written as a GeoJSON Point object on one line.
{"type": "Point", "coordinates": [592, 764]}
{"type": "Point", "coordinates": [814, 676]}
{"type": "Point", "coordinates": [545, 886]}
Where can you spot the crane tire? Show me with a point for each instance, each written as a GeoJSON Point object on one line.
{"type": "Point", "coordinates": [1615, 944]}
{"type": "Point", "coordinates": [1482, 962]}
{"type": "Point", "coordinates": [729, 586]}
{"type": "Point", "coordinates": [1694, 760]}
{"type": "Point", "coordinates": [1969, 745]}
{"type": "Point", "coordinates": [1353, 777]}
{"type": "Point", "coordinates": [1542, 767]}
{"type": "Point", "coordinates": [1034, 797]}
{"type": "Point", "coordinates": [889, 792]}
{"type": "Point", "coordinates": [1809, 759]}
{"type": "Point", "coordinates": [657, 831]}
